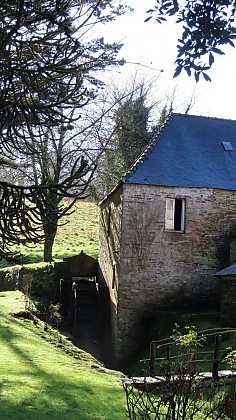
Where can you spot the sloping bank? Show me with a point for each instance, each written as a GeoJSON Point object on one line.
{"type": "Point", "coordinates": [42, 377]}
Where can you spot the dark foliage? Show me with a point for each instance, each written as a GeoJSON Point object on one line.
{"type": "Point", "coordinates": [131, 129]}
{"type": "Point", "coordinates": [207, 26]}
{"type": "Point", "coordinates": [47, 70]}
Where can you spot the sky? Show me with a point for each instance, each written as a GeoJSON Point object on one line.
{"type": "Point", "coordinates": [153, 46]}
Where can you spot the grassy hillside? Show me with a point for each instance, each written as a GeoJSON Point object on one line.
{"type": "Point", "coordinates": [78, 232]}
{"type": "Point", "coordinates": [40, 381]}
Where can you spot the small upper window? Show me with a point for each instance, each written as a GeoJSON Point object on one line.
{"type": "Point", "coordinates": [175, 214]}
{"type": "Point", "coordinates": [227, 146]}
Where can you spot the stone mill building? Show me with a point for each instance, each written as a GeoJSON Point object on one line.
{"type": "Point", "coordinates": [166, 226]}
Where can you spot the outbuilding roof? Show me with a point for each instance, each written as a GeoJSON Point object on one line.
{"type": "Point", "coordinates": [190, 151]}
{"type": "Point", "coordinates": [228, 271]}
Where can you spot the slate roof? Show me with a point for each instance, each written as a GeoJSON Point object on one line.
{"type": "Point", "coordinates": [189, 153]}
{"type": "Point", "coordinates": [228, 271]}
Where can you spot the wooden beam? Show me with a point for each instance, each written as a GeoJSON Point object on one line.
{"type": "Point", "coordinates": [216, 357]}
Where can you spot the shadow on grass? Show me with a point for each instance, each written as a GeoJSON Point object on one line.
{"type": "Point", "coordinates": [38, 386]}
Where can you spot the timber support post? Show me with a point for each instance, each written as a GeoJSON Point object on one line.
{"type": "Point", "coordinates": [168, 372]}
{"type": "Point", "coordinates": [216, 357]}
{"type": "Point", "coordinates": [152, 365]}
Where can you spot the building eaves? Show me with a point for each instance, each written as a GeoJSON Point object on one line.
{"type": "Point", "coordinates": [228, 271]}
{"type": "Point", "coordinates": [190, 153]}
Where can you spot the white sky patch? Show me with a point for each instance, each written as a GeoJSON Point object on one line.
{"type": "Point", "coordinates": [153, 46]}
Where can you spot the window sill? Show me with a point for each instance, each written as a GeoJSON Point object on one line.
{"type": "Point", "coordinates": [174, 231]}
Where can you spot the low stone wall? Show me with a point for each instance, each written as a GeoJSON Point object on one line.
{"type": "Point", "coordinates": [44, 283]}
{"type": "Point", "coordinates": [9, 280]}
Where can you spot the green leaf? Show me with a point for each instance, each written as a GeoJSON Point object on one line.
{"type": "Point", "coordinates": [160, 19]}
{"type": "Point", "coordinates": [196, 75]}
{"type": "Point", "coordinates": [218, 51]}
{"type": "Point", "coordinates": [171, 12]}
{"type": "Point", "coordinates": [178, 71]}
{"type": "Point", "coordinates": [148, 18]}
{"type": "Point", "coordinates": [231, 43]}
{"type": "Point", "coordinates": [211, 59]}
{"type": "Point", "coordinates": [206, 77]}
{"type": "Point", "coordinates": [188, 71]}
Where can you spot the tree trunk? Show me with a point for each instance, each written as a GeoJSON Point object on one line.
{"type": "Point", "coordinates": [50, 231]}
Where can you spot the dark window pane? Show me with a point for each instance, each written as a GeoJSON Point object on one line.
{"type": "Point", "coordinates": [178, 214]}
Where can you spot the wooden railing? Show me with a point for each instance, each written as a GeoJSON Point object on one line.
{"type": "Point", "coordinates": [217, 341]}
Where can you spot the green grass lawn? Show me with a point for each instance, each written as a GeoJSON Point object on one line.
{"type": "Point", "coordinates": [78, 232]}
{"type": "Point", "coordinates": [40, 381]}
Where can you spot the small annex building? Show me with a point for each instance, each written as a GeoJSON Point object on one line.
{"type": "Point", "coordinates": [227, 278]}
{"type": "Point", "coordinates": [166, 227]}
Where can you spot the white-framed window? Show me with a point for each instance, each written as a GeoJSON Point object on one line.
{"type": "Point", "coordinates": [175, 214]}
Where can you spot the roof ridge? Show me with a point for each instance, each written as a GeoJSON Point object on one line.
{"type": "Point", "coordinates": [208, 117]}
{"type": "Point", "coordinates": [140, 159]}
{"type": "Point", "coordinates": [144, 155]}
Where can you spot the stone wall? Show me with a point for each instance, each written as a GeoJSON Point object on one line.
{"type": "Point", "coordinates": [44, 284]}
{"type": "Point", "coordinates": [161, 269]}
{"type": "Point", "coordinates": [109, 261]}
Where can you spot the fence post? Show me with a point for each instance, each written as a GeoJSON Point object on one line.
{"type": "Point", "coordinates": [216, 357]}
{"type": "Point", "coordinates": [193, 362]}
{"type": "Point", "coordinates": [152, 366]}
{"type": "Point", "coordinates": [168, 370]}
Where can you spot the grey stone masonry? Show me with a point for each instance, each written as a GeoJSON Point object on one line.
{"type": "Point", "coordinates": [149, 268]}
